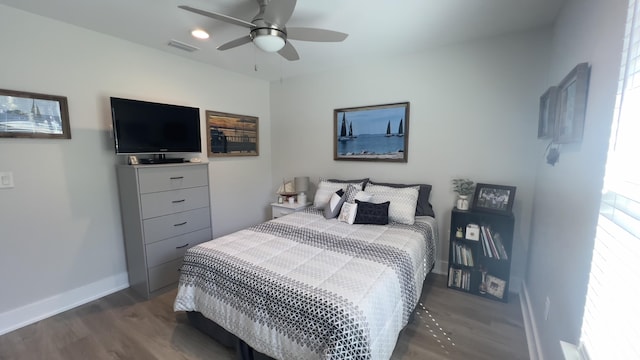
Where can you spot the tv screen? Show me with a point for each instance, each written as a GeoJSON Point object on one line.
{"type": "Point", "coordinates": [141, 127]}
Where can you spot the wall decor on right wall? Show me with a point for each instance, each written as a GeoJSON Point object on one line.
{"type": "Point", "coordinates": [563, 107]}
{"type": "Point", "coordinates": [572, 105]}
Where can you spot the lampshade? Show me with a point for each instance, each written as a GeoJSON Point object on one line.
{"type": "Point", "coordinates": [268, 40]}
{"type": "Point", "coordinates": [301, 183]}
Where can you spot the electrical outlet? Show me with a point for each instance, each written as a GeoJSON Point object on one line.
{"type": "Point", "coordinates": [6, 179]}
{"type": "Point", "coordinates": [547, 308]}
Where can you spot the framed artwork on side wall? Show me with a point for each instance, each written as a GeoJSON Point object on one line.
{"type": "Point", "coordinates": [32, 115]}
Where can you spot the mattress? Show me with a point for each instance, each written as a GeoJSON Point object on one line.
{"type": "Point", "coordinates": [302, 286]}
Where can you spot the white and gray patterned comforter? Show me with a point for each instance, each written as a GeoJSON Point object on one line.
{"type": "Point", "coordinates": [303, 287]}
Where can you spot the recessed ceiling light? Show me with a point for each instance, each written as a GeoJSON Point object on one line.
{"type": "Point", "coordinates": [200, 34]}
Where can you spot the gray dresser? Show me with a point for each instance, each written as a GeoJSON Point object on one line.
{"type": "Point", "coordinates": [165, 210]}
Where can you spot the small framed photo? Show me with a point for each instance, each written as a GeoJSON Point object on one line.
{"type": "Point", "coordinates": [133, 160]}
{"type": "Point", "coordinates": [494, 198]}
{"type": "Point", "coordinates": [495, 286]}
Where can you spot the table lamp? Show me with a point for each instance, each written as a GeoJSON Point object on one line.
{"type": "Point", "coordinates": [301, 185]}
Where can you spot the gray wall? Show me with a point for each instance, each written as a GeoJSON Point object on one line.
{"type": "Point", "coordinates": [474, 110]}
{"type": "Point", "coordinates": [567, 195]}
{"type": "Point", "coordinates": [60, 226]}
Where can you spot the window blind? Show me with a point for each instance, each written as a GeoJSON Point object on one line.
{"type": "Point", "coordinates": [611, 321]}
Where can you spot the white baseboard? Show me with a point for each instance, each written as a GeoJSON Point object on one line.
{"type": "Point", "coordinates": [441, 267]}
{"type": "Point", "coordinates": [530, 327]}
{"type": "Point", "coordinates": [42, 309]}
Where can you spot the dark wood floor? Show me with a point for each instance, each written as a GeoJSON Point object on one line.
{"type": "Point", "coordinates": [447, 324]}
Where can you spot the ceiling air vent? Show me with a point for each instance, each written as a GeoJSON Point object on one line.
{"type": "Point", "coordinates": [182, 46]}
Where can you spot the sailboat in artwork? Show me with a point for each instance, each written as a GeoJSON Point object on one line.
{"type": "Point", "coordinates": [400, 131]}
{"type": "Point", "coordinates": [388, 129]}
{"type": "Point", "coordinates": [343, 130]}
{"type": "Point", "coordinates": [351, 131]}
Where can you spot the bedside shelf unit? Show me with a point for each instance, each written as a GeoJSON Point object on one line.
{"type": "Point", "coordinates": [165, 210]}
{"type": "Point", "coordinates": [481, 267]}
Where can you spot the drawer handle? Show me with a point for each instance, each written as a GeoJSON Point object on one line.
{"type": "Point", "coordinates": [177, 201]}
{"type": "Point", "coordinates": [182, 223]}
{"type": "Point", "coordinates": [176, 177]}
{"type": "Point", "coordinates": [183, 246]}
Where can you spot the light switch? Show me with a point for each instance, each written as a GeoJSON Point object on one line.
{"type": "Point", "coordinates": [6, 180]}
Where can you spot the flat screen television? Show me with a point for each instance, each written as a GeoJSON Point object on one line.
{"type": "Point", "coordinates": [141, 127]}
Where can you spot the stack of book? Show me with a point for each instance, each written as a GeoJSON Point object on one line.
{"type": "Point", "coordinates": [492, 245]}
{"type": "Point", "coordinates": [459, 278]}
{"type": "Point", "coordinates": [462, 255]}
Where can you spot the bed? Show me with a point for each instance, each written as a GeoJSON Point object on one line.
{"type": "Point", "coordinates": [306, 287]}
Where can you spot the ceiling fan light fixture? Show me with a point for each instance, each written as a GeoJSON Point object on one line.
{"type": "Point", "coordinates": [268, 39]}
{"type": "Point", "coordinates": [200, 34]}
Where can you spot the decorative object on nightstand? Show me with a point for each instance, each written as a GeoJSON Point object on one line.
{"type": "Point", "coordinates": [286, 190]}
{"type": "Point", "coordinates": [480, 263]}
{"type": "Point", "coordinates": [301, 186]}
{"type": "Point", "coordinates": [464, 188]}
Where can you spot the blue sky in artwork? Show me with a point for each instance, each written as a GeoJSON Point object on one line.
{"type": "Point", "coordinates": [373, 121]}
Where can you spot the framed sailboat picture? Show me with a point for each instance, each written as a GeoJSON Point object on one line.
{"type": "Point", "coordinates": [371, 133]}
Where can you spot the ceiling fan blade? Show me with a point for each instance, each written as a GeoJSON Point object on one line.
{"type": "Point", "coordinates": [278, 12]}
{"type": "Point", "coordinates": [311, 34]}
{"type": "Point", "coordinates": [289, 52]}
{"type": "Point", "coordinates": [221, 17]}
{"type": "Point", "coordinates": [235, 43]}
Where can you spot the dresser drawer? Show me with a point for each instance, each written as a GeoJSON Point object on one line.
{"type": "Point", "coordinates": [165, 274]}
{"type": "Point", "coordinates": [168, 226]}
{"type": "Point", "coordinates": [171, 178]}
{"type": "Point", "coordinates": [174, 248]}
{"type": "Point", "coordinates": [169, 202]}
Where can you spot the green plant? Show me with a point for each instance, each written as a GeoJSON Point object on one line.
{"type": "Point", "coordinates": [463, 186]}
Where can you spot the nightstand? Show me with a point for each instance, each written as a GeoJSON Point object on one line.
{"type": "Point", "coordinates": [278, 210]}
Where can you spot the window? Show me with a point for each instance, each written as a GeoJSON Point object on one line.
{"type": "Point", "coordinates": [611, 326]}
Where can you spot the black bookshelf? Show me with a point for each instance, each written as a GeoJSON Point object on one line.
{"type": "Point", "coordinates": [481, 267]}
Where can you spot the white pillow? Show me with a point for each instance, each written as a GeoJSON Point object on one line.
{"type": "Point", "coordinates": [363, 196]}
{"type": "Point", "coordinates": [348, 213]}
{"type": "Point", "coordinates": [326, 190]}
{"type": "Point", "coordinates": [403, 201]}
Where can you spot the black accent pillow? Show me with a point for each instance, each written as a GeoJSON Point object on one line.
{"type": "Point", "coordinates": [423, 208]}
{"type": "Point", "coordinates": [370, 213]}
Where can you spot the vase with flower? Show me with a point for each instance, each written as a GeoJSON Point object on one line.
{"type": "Point", "coordinates": [464, 188]}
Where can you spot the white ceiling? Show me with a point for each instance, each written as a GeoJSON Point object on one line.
{"type": "Point", "coordinates": [377, 28]}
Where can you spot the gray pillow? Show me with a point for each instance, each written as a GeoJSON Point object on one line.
{"type": "Point", "coordinates": [332, 209]}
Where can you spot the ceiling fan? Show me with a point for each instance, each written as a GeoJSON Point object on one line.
{"type": "Point", "coordinates": [268, 29]}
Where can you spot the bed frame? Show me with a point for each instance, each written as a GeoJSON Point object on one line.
{"type": "Point", "coordinates": [225, 338]}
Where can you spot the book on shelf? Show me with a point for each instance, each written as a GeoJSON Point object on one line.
{"type": "Point", "coordinates": [493, 245]}
{"type": "Point", "coordinates": [462, 255]}
{"type": "Point", "coordinates": [459, 278]}
{"type": "Point", "coordinates": [500, 246]}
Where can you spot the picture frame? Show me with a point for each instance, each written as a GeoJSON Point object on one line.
{"type": "Point", "coordinates": [231, 134]}
{"type": "Point", "coordinates": [372, 133]}
{"type": "Point", "coordinates": [547, 117]}
{"type": "Point", "coordinates": [133, 160]}
{"type": "Point", "coordinates": [494, 198]}
{"type": "Point", "coordinates": [495, 286]}
{"type": "Point", "coordinates": [33, 115]}
{"type": "Point", "coordinates": [571, 105]}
